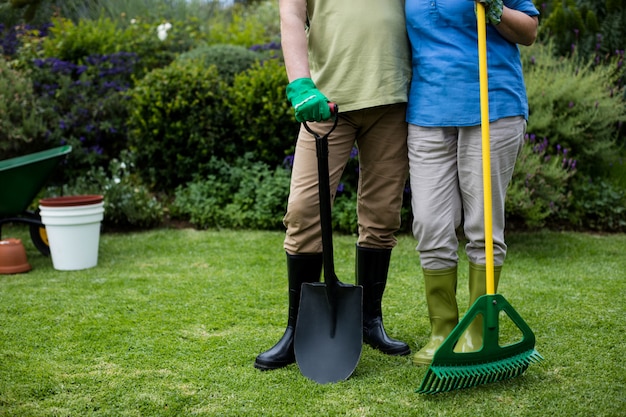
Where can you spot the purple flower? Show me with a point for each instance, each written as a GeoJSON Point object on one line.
{"type": "Point", "coordinates": [288, 161]}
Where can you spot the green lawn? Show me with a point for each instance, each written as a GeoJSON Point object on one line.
{"type": "Point", "coordinates": [169, 323]}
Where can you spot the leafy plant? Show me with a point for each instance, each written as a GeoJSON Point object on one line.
{"type": "Point", "coordinates": [577, 106]}
{"type": "Point", "coordinates": [85, 106]}
{"type": "Point", "coordinates": [127, 202]}
{"type": "Point", "coordinates": [587, 28]}
{"type": "Point", "coordinates": [247, 194]}
{"type": "Point", "coordinates": [344, 218]}
{"type": "Point", "coordinates": [260, 113]}
{"type": "Point", "coordinates": [238, 27]}
{"type": "Point", "coordinates": [21, 122]}
{"type": "Point", "coordinates": [539, 187]}
{"type": "Point", "coordinates": [74, 42]}
{"type": "Point", "coordinates": [230, 60]}
{"type": "Point", "coordinates": [260, 201]}
{"type": "Point", "coordinates": [177, 123]}
{"type": "Point", "coordinates": [600, 205]}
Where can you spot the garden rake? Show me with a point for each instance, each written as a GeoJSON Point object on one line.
{"type": "Point", "coordinates": [452, 370]}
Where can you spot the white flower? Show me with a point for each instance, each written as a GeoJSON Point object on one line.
{"type": "Point", "coordinates": [133, 21]}
{"type": "Point", "coordinates": [164, 27]}
{"type": "Point", "coordinates": [162, 30]}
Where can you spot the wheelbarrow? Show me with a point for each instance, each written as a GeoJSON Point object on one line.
{"type": "Point", "coordinates": [21, 179]}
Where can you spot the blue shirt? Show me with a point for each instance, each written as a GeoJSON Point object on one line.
{"type": "Point", "coordinates": [445, 87]}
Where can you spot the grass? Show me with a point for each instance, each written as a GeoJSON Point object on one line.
{"type": "Point", "coordinates": [170, 321]}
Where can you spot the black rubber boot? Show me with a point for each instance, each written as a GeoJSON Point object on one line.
{"type": "Point", "coordinates": [300, 269]}
{"type": "Point", "coordinates": [372, 266]}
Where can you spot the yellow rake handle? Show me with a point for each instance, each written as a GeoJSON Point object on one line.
{"type": "Point", "coordinates": [484, 120]}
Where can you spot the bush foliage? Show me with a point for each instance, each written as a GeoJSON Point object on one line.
{"type": "Point", "coordinates": [128, 204]}
{"type": "Point", "coordinates": [579, 106]}
{"type": "Point", "coordinates": [21, 119]}
{"type": "Point", "coordinates": [539, 187]}
{"type": "Point", "coordinates": [247, 194]}
{"type": "Point", "coordinates": [591, 28]}
{"type": "Point", "coordinates": [260, 113]}
{"type": "Point", "coordinates": [177, 123]}
{"type": "Point", "coordinates": [190, 99]}
{"type": "Point", "coordinates": [229, 60]}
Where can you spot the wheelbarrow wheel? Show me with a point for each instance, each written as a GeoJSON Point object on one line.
{"type": "Point", "coordinates": [40, 238]}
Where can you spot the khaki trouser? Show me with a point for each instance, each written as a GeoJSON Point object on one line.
{"type": "Point", "coordinates": [447, 186]}
{"type": "Point", "coordinates": [380, 135]}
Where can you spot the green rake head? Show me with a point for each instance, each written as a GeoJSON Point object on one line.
{"type": "Point", "coordinates": [452, 370]}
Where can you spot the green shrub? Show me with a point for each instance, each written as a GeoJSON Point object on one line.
{"type": "Point", "coordinates": [239, 26]}
{"type": "Point", "coordinates": [260, 113]}
{"type": "Point", "coordinates": [127, 202]}
{"type": "Point", "coordinates": [229, 59]}
{"type": "Point", "coordinates": [177, 123]}
{"type": "Point", "coordinates": [344, 218]}
{"type": "Point", "coordinates": [618, 171]}
{"type": "Point", "coordinates": [599, 205]}
{"type": "Point", "coordinates": [261, 199]}
{"type": "Point", "coordinates": [22, 125]}
{"type": "Point", "coordinates": [577, 106]}
{"type": "Point", "coordinates": [74, 42]}
{"type": "Point", "coordinates": [246, 195]}
{"type": "Point", "coordinates": [85, 106]}
{"type": "Point", "coordinates": [539, 187]}
{"type": "Point", "coordinates": [141, 36]}
{"type": "Point", "coordinates": [586, 28]}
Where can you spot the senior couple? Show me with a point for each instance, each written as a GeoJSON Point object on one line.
{"type": "Point", "coordinates": [404, 74]}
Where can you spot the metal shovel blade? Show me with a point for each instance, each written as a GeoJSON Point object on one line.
{"type": "Point", "coordinates": [328, 343]}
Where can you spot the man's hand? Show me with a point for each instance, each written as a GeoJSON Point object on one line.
{"type": "Point", "coordinates": [493, 10]}
{"type": "Point", "coordinates": [309, 104]}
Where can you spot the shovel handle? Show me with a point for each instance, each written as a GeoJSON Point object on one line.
{"type": "Point", "coordinates": [334, 111]}
{"type": "Point", "coordinates": [486, 154]}
{"type": "Point", "coordinates": [321, 145]}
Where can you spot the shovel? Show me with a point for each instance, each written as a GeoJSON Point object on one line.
{"type": "Point", "coordinates": [329, 331]}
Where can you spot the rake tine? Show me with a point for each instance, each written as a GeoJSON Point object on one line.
{"type": "Point", "coordinates": [447, 377]}
{"type": "Point", "coordinates": [434, 384]}
{"type": "Point", "coordinates": [427, 384]}
{"type": "Point", "coordinates": [467, 380]}
{"type": "Point", "coordinates": [477, 380]}
{"type": "Point", "coordinates": [445, 384]}
{"type": "Point", "coordinates": [437, 386]}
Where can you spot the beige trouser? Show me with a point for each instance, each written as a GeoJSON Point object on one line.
{"type": "Point", "coordinates": [380, 135]}
{"type": "Point", "coordinates": [447, 186]}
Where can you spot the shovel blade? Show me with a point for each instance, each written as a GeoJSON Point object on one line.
{"type": "Point", "coordinates": [328, 346]}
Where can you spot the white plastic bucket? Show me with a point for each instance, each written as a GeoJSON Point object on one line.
{"type": "Point", "coordinates": [73, 229]}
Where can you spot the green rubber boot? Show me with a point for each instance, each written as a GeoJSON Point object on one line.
{"type": "Point", "coordinates": [472, 338]}
{"type": "Point", "coordinates": [440, 288]}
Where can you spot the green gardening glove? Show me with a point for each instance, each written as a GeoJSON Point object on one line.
{"type": "Point", "coordinates": [309, 104]}
{"type": "Point", "coordinates": [493, 11]}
